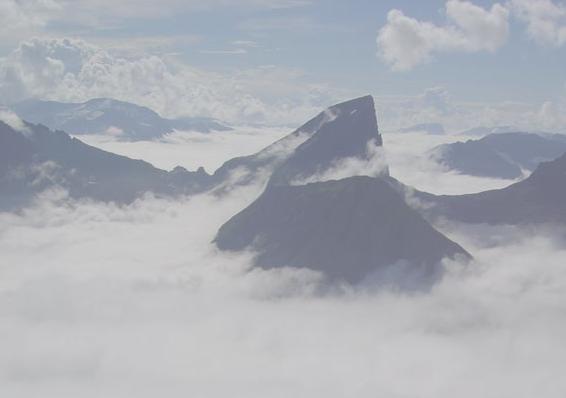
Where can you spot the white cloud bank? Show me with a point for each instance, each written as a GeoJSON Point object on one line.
{"type": "Point", "coordinates": [405, 42]}
{"type": "Point", "coordinates": [97, 300]}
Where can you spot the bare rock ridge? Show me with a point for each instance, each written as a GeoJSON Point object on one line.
{"type": "Point", "coordinates": [351, 229]}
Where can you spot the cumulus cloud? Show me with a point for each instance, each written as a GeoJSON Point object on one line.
{"type": "Point", "coordinates": [545, 19]}
{"type": "Point", "coordinates": [75, 70]}
{"type": "Point", "coordinates": [405, 42]}
{"type": "Point", "coordinates": [19, 18]}
{"type": "Point", "coordinates": [436, 105]}
{"type": "Point", "coordinates": [551, 114]}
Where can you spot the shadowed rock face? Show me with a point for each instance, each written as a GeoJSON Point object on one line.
{"type": "Point", "coordinates": [540, 198]}
{"type": "Point", "coordinates": [38, 158]}
{"type": "Point", "coordinates": [505, 155]}
{"type": "Point", "coordinates": [350, 229]}
{"type": "Point", "coordinates": [97, 116]}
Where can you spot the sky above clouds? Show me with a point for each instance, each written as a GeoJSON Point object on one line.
{"type": "Point", "coordinates": [280, 61]}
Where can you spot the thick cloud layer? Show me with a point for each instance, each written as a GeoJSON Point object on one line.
{"type": "Point", "coordinates": [192, 149]}
{"type": "Point", "coordinates": [99, 300]}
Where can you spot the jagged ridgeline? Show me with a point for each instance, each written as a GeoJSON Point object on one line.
{"type": "Point", "coordinates": [349, 227]}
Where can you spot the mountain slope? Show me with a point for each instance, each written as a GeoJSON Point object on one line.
{"type": "Point", "coordinates": [540, 198]}
{"type": "Point", "coordinates": [350, 229]}
{"type": "Point", "coordinates": [37, 158]}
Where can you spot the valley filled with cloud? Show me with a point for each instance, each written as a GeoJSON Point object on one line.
{"type": "Point", "coordinates": [282, 198]}
{"type": "Point", "coordinates": [95, 296]}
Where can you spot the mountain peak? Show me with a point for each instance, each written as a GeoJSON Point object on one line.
{"type": "Point", "coordinates": [348, 130]}
{"type": "Point", "coordinates": [360, 103]}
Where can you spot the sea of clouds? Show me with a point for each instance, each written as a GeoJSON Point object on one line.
{"type": "Point", "coordinates": [99, 300]}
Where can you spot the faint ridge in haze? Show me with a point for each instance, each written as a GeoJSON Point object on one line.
{"type": "Point", "coordinates": [124, 120]}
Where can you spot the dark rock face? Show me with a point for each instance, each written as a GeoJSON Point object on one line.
{"type": "Point", "coordinates": [505, 155]}
{"type": "Point", "coordinates": [350, 229]}
{"type": "Point", "coordinates": [128, 121]}
{"type": "Point", "coordinates": [353, 229]}
{"type": "Point", "coordinates": [38, 158]}
{"type": "Point", "coordinates": [540, 198]}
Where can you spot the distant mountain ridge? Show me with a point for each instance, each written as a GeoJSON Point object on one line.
{"type": "Point", "coordinates": [108, 116]}
{"type": "Point", "coordinates": [503, 155]}
{"type": "Point", "coordinates": [37, 158]}
{"type": "Point", "coordinates": [538, 199]}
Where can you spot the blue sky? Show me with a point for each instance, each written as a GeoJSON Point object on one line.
{"type": "Point", "coordinates": [330, 42]}
{"type": "Point", "coordinates": [336, 41]}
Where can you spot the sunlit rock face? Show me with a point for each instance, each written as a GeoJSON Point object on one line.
{"type": "Point", "coordinates": [352, 229]}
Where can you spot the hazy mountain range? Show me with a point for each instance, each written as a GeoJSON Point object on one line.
{"type": "Point", "coordinates": [109, 116]}
{"type": "Point", "coordinates": [503, 155]}
{"type": "Point", "coordinates": [351, 225]}
{"type": "Point", "coordinates": [540, 198]}
{"type": "Point", "coordinates": [36, 158]}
